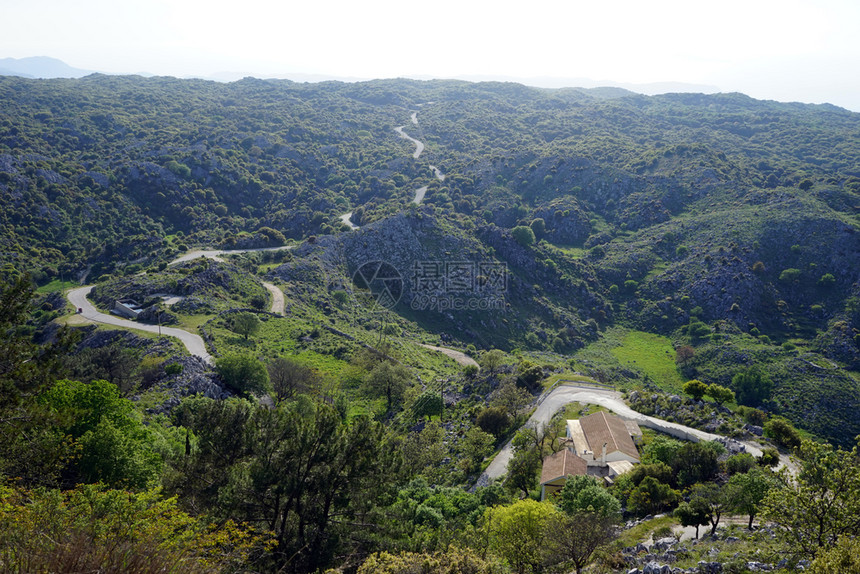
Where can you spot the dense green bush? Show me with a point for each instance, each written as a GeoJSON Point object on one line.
{"type": "Point", "coordinates": [523, 235]}
{"type": "Point", "coordinates": [243, 374]}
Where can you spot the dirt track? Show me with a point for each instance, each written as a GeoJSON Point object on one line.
{"type": "Point", "coordinates": [277, 298]}
{"type": "Point", "coordinates": [461, 358]}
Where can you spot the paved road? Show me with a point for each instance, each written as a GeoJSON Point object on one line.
{"type": "Point", "coordinates": [419, 195]}
{"type": "Point", "coordinates": [564, 394]}
{"type": "Point", "coordinates": [439, 175]}
{"type": "Point", "coordinates": [194, 343]}
{"type": "Point", "coordinates": [419, 146]}
{"type": "Point", "coordinates": [78, 298]}
{"type": "Point", "coordinates": [347, 218]}
{"type": "Point", "coordinates": [277, 298]}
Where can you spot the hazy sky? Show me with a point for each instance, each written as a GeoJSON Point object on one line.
{"type": "Point", "coordinates": [785, 50]}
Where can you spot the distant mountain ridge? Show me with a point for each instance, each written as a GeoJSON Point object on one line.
{"type": "Point", "coordinates": [40, 67]}
{"type": "Point", "coordinates": [44, 67]}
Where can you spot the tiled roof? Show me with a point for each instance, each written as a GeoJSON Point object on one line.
{"type": "Point", "coordinates": [560, 464]}
{"type": "Point", "coordinates": [602, 427]}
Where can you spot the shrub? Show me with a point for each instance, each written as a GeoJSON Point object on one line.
{"type": "Point", "coordinates": [827, 280]}
{"type": "Point", "coordinates": [698, 330]}
{"type": "Point", "coordinates": [752, 415]}
{"type": "Point", "coordinates": [752, 387]}
{"type": "Point", "coordinates": [781, 431]}
{"type": "Point", "coordinates": [652, 496]}
{"type": "Point", "coordinates": [494, 420]}
{"type": "Point", "coordinates": [452, 561]}
{"type": "Point", "coordinates": [243, 374]}
{"type": "Point", "coordinates": [149, 370]}
{"type": "Point", "coordinates": [720, 394]}
{"type": "Point", "coordinates": [790, 275]}
{"type": "Point", "coordinates": [341, 297]}
{"type": "Point", "coordinates": [427, 404]}
{"type": "Point", "coordinates": [740, 463]}
{"type": "Point", "coordinates": [843, 557]}
{"type": "Point", "coordinates": [94, 529]}
{"type": "Point", "coordinates": [173, 369]}
{"type": "Point", "coordinates": [523, 235]}
{"type": "Point", "coordinates": [586, 494]}
{"type": "Point", "coordinates": [695, 388]}
{"type": "Point", "coordinates": [769, 457]}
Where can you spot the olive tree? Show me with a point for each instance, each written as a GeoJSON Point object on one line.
{"type": "Point", "coordinates": [246, 324]}
{"type": "Point", "coordinates": [820, 503]}
{"type": "Point", "coordinates": [518, 533]}
{"type": "Point", "coordinates": [243, 374]}
{"type": "Point", "coordinates": [523, 235]}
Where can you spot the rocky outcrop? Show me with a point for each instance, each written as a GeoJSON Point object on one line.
{"type": "Point", "coordinates": [157, 316]}
{"type": "Point", "coordinates": [97, 338]}
{"type": "Point", "coordinates": [658, 559]}
{"type": "Point", "coordinates": [567, 223]}
{"type": "Point", "coordinates": [440, 265]}
{"type": "Point", "coordinates": [840, 343]}
{"type": "Point", "coordinates": [191, 376]}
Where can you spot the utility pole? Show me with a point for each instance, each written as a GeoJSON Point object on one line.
{"type": "Point", "coordinates": [441, 400]}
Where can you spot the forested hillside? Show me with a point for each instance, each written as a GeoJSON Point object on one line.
{"type": "Point", "coordinates": [647, 211]}
{"type": "Point", "coordinates": [645, 243]}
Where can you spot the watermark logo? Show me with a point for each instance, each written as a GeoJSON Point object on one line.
{"type": "Point", "coordinates": [434, 285]}
{"type": "Point", "coordinates": [379, 283]}
{"type": "Point", "coordinates": [458, 285]}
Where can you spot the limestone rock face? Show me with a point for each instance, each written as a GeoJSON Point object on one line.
{"type": "Point", "coordinates": [480, 286]}
{"type": "Point", "coordinates": [566, 222]}
{"type": "Point", "coordinates": [195, 377]}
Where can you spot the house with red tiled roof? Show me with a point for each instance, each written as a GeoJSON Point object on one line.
{"type": "Point", "coordinates": [556, 468]}
{"type": "Point", "coordinates": [599, 445]}
{"type": "Point", "coordinates": [602, 436]}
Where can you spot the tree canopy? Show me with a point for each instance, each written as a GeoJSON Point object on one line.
{"type": "Point", "coordinates": [814, 508]}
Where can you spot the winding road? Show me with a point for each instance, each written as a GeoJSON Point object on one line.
{"type": "Point", "coordinates": [194, 343]}
{"type": "Point", "coordinates": [419, 146]}
{"type": "Point", "coordinates": [419, 149]}
{"type": "Point", "coordinates": [556, 399]}
{"type": "Point", "coordinates": [78, 298]}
